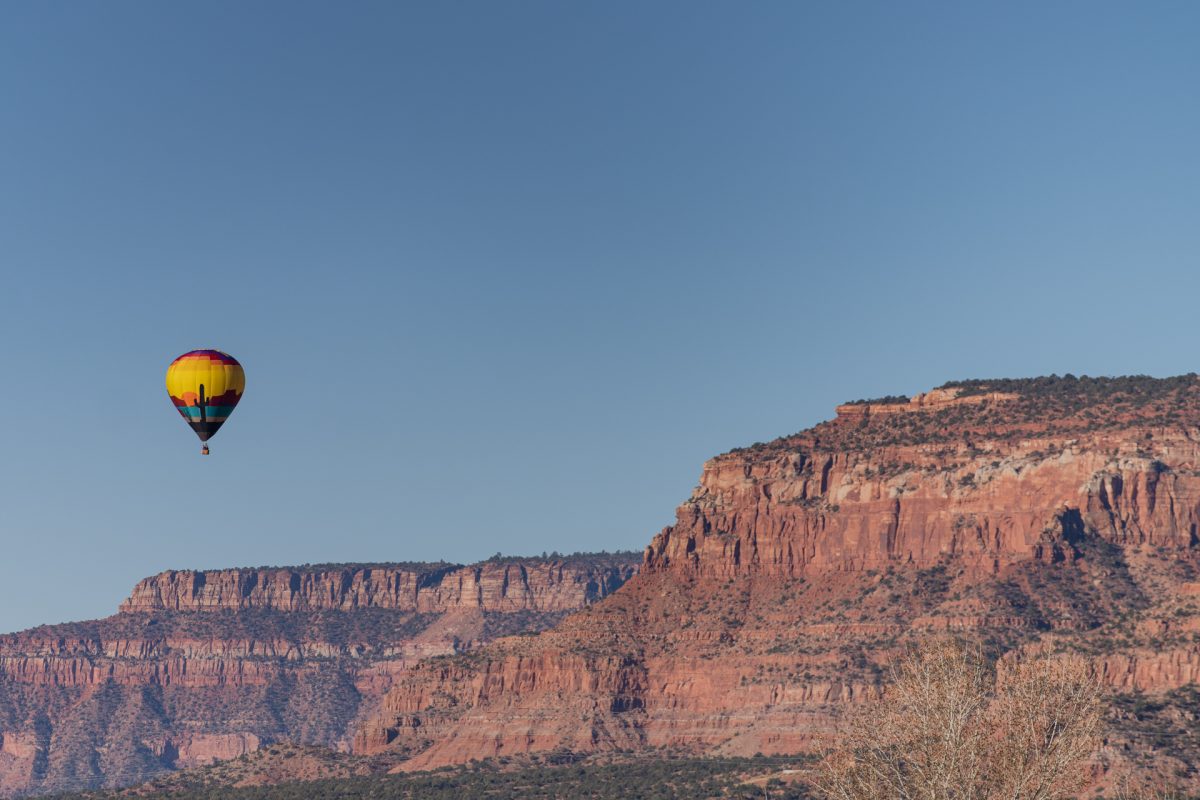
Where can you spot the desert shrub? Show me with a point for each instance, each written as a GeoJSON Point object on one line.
{"type": "Point", "coordinates": [948, 729]}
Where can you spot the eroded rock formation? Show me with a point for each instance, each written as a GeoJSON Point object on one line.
{"type": "Point", "coordinates": [1023, 513]}
{"type": "Point", "coordinates": [204, 666]}
{"type": "Point", "coordinates": [543, 586]}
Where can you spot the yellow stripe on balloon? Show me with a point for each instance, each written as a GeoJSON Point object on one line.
{"type": "Point", "coordinates": [186, 376]}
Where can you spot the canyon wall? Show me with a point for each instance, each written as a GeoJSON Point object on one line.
{"type": "Point", "coordinates": [506, 586]}
{"type": "Point", "coordinates": [1018, 513]}
{"type": "Point", "coordinates": [1035, 516]}
{"type": "Point", "coordinates": [204, 666]}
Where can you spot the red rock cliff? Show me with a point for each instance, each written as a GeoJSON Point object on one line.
{"type": "Point", "coordinates": [199, 666]}
{"type": "Point", "coordinates": [1020, 511]}
{"type": "Point", "coordinates": [529, 585]}
{"type": "Point", "coordinates": [986, 502]}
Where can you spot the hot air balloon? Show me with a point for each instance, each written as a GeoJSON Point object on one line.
{"type": "Point", "coordinates": [205, 385]}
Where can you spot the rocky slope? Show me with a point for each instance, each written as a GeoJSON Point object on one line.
{"type": "Point", "coordinates": [201, 666]}
{"type": "Point", "coordinates": [1043, 514]}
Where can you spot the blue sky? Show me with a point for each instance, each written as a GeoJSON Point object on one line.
{"type": "Point", "coordinates": [502, 275]}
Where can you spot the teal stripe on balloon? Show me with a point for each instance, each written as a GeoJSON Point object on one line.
{"type": "Point", "coordinates": [193, 412]}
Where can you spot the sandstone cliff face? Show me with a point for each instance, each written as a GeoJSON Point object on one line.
{"type": "Point", "coordinates": [1019, 512]}
{"type": "Point", "coordinates": [530, 585]}
{"type": "Point", "coordinates": [987, 503]}
{"type": "Point", "coordinates": [204, 666]}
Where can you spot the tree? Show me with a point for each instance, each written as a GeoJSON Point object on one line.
{"type": "Point", "coordinates": [948, 728]}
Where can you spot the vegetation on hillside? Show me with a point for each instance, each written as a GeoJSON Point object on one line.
{"type": "Point", "coordinates": [378, 626]}
{"type": "Point", "coordinates": [1045, 407]}
{"type": "Point", "coordinates": [598, 558]}
{"type": "Point", "coordinates": [888, 400]}
{"type": "Point", "coordinates": [422, 567]}
{"type": "Point", "coordinates": [652, 778]}
{"type": "Point", "coordinates": [591, 558]}
{"type": "Point", "coordinates": [1096, 389]}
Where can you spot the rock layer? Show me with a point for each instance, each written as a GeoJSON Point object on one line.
{"type": "Point", "coordinates": [204, 666]}
{"type": "Point", "coordinates": [1018, 512]}
{"type": "Point", "coordinates": [505, 586]}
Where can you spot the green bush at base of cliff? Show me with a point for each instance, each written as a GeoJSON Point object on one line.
{"type": "Point", "coordinates": [649, 779]}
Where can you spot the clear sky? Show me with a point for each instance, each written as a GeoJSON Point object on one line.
{"type": "Point", "coordinates": [502, 275]}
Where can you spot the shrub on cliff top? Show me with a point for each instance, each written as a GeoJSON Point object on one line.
{"type": "Point", "coordinates": [1045, 408]}
{"type": "Point", "coordinates": [1129, 386]}
{"type": "Point", "coordinates": [887, 400]}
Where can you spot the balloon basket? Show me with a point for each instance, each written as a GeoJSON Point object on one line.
{"type": "Point", "coordinates": [204, 450]}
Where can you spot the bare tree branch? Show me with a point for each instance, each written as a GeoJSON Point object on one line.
{"type": "Point", "coordinates": [948, 729]}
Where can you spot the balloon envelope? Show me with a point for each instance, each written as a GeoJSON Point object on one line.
{"type": "Point", "coordinates": [205, 385]}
